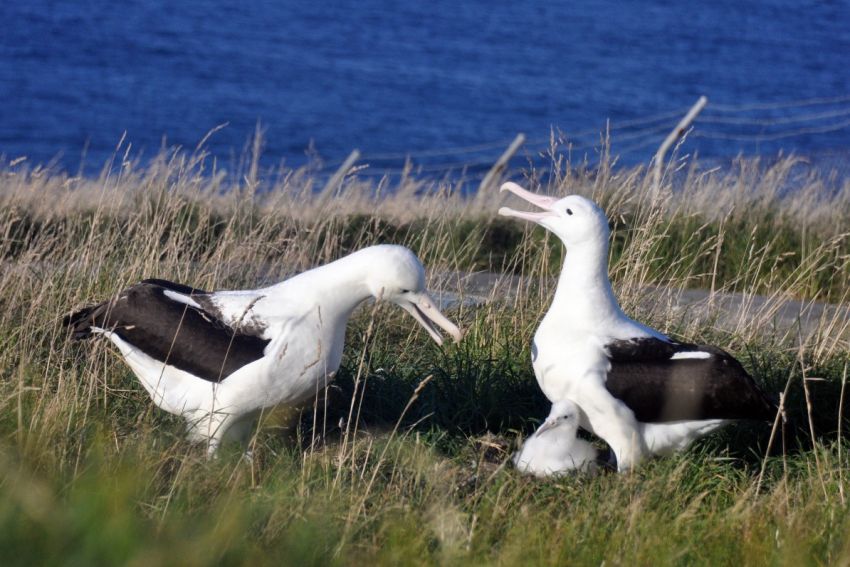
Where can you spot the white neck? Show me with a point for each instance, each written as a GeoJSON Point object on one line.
{"type": "Point", "coordinates": [339, 287]}
{"type": "Point", "coordinates": [584, 295]}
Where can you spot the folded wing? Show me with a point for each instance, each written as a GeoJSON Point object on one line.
{"type": "Point", "coordinates": [175, 324]}
{"type": "Point", "coordinates": [664, 381]}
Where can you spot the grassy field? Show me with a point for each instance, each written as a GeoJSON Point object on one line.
{"type": "Point", "coordinates": [404, 461]}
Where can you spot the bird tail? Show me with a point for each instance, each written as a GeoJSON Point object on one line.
{"type": "Point", "coordinates": [79, 323]}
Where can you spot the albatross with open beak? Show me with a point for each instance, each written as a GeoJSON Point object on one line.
{"type": "Point", "coordinates": [637, 389]}
{"type": "Point", "coordinates": [219, 358]}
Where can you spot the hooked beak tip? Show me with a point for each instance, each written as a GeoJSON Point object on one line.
{"type": "Point", "coordinates": [458, 336]}
{"type": "Point", "coordinates": [453, 331]}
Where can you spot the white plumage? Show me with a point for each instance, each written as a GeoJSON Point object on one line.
{"type": "Point", "coordinates": [637, 389]}
{"type": "Point", "coordinates": [555, 448]}
{"type": "Point", "coordinates": [218, 359]}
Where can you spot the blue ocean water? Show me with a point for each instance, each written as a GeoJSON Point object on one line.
{"type": "Point", "coordinates": [396, 77]}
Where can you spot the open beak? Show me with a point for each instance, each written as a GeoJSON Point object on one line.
{"type": "Point", "coordinates": [426, 313]}
{"type": "Point", "coordinates": [541, 201]}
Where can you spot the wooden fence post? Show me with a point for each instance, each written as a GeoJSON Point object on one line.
{"type": "Point", "coordinates": [336, 179]}
{"type": "Point", "coordinates": [501, 163]}
{"type": "Point", "coordinates": [672, 137]}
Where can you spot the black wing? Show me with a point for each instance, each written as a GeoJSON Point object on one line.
{"type": "Point", "coordinates": [669, 381]}
{"type": "Point", "coordinates": [180, 335]}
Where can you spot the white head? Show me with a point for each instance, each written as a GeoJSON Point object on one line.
{"type": "Point", "coordinates": [397, 275]}
{"type": "Point", "coordinates": [563, 418]}
{"type": "Point", "coordinates": [555, 447]}
{"type": "Point", "coordinates": [576, 220]}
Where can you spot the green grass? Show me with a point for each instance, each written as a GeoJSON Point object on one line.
{"type": "Point", "coordinates": [92, 473]}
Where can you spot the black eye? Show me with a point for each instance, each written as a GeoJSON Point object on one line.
{"type": "Point", "coordinates": [570, 212]}
{"type": "Point", "coordinates": [405, 291]}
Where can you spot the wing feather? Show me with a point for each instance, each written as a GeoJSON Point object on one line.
{"type": "Point", "coordinates": [180, 333]}
{"type": "Point", "coordinates": [664, 381]}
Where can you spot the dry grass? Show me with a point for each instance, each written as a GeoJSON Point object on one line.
{"type": "Point", "coordinates": [91, 472]}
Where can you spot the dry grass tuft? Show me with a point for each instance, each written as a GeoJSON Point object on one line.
{"type": "Point", "coordinates": [755, 259]}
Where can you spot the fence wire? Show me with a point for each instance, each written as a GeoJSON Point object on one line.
{"type": "Point", "coordinates": [720, 133]}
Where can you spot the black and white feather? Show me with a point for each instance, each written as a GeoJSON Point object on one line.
{"type": "Point", "coordinates": [666, 381]}
{"type": "Point", "coordinates": [147, 316]}
{"type": "Point", "coordinates": [220, 358]}
{"type": "Point", "coordinates": [637, 389]}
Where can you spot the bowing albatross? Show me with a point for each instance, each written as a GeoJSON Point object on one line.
{"type": "Point", "coordinates": [640, 391]}
{"type": "Point", "coordinates": [219, 358]}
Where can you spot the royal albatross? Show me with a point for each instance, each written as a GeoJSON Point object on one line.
{"type": "Point", "coordinates": [637, 389]}
{"type": "Point", "coordinates": [219, 358]}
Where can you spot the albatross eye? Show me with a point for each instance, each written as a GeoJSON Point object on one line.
{"type": "Point", "coordinates": [570, 212]}
{"type": "Point", "coordinates": [405, 291]}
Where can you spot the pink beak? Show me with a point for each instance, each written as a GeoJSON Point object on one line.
{"type": "Point", "coordinates": [541, 201]}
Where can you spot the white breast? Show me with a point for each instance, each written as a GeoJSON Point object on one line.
{"type": "Point", "coordinates": [563, 359]}
{"type": "Point", "coordinates": [555, 453]}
